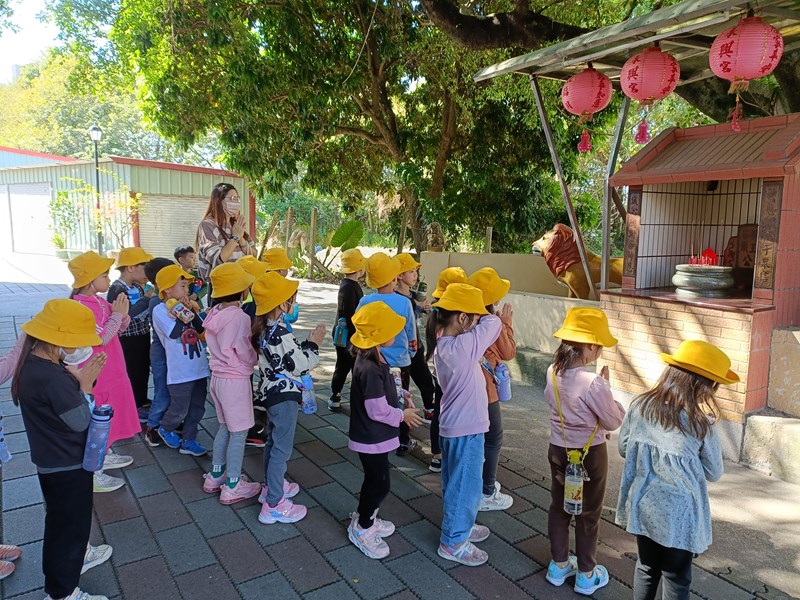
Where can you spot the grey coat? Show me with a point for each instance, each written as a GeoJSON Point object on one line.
{"type": "Point", "coordinates": [663, 493]}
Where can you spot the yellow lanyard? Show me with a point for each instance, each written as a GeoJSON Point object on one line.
{"type": "Point", "coordinates": [574, 456]}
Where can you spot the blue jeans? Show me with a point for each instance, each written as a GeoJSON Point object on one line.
{"type": "Point", "coordinates": [158, 365]}
{"type": "Point", "coordinates": [462, 465]}
{"type": "Point", "coordinates": [281, 426]}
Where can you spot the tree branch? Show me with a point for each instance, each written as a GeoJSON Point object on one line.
{"type": "Point", "coordinates": [521, 28]}
{"type": "Point", "coordinates": [445, 145]}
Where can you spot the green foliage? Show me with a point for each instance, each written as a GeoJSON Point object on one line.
{"type": "Point", "coordinates": [348, 235]}
{"type": "Point", "coordinates": [65, 214]}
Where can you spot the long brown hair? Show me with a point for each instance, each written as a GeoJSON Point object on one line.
{"type": "Point", "coordinates": [679, 391]}
{"type": "Point", "coordinates": [373, 354]}
{"type": "Point", "coordinates": [567, 354]}
{"type": "Point", "coordinates": [216, 211]}
{"type": "Point", "coordinates": [438, 320]}
{"type": "Point", "coordinates": [27, 347]}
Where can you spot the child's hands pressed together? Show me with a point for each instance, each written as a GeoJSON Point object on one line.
{"type": "Point", "coordinates": [604, 372]}
{"type": "Point", "coordinates": [88, 374]}
{"type": "Point", "coordinates": [411, 418]}
{"type": "Point", "coordinates": [121, 305]}
{"type": "Point", "coordinates": [317, 335]}
{"type": "Point", "coordinates": [506, 313]}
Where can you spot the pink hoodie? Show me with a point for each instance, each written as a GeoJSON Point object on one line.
{"type": "Point", "coordinates": [228, 339]}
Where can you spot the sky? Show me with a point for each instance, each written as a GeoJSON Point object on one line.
{"type": "Point", "coordinates": [26, 45]}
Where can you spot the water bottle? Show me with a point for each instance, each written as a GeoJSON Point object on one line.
{"type": "Point", "coordinates": [502, 381]}
{"type": "Point", "coordinates": [5, 455]}
{"type": "Point", "coordinates": [398, 386]}
{"type": "Point", "coordinates": [340, 333]}
{"type": "Point", "coordinates": [178, 310]}
{"type": "Point", "coordinates": [97, 439]}
{"type": "Point", "coordinates": [573, 488]}
{"type": "Point", "coordinates": [309, 402]}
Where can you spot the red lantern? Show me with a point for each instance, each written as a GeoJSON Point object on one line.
{"type": "Point", "coordinates": [649, 76]}
{"type": "Point", "coordinates": [749, 50]}
{"type": "Point", "coordinates": [585, 94]}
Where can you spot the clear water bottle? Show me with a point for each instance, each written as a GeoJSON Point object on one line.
{"type": "Point", "coordinates": [309, 402]}
{"type": "Point", "coordinates": [573, 488]}
{"type": "Point", "coordinates": [97, 439]}
{"type": "Point", "coordinates": [502, 379]}
{"type": "Point", "coordinates": [5, 455]}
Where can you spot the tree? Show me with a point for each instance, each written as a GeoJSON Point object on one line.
{"type": "Point", "coordinates": [368, 97]}
{"type": "Point", "coordinates": [523, 24]}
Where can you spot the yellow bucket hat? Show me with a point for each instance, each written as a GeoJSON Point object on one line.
{"type": "Point", "coordinates": [228, 279]}
{"type": "Point", "coordinates": [407, 262]}
{"type": "Point", "coordinates": [272, 289]}
{"type": "Point", "coordinates": [489, 282]}
{"type": "Point", "coordinates": [276, 259]}
{"type": "Point", "coordinates": [586, 325]}
{"type": "Point", "coordinates": [252, 265]}
{"type": "Point", "coordinates": [381, 269]}
{"type": "Point", "coordinates": [375, 324]}
{"type": "Point", "coordinates": [448, 276]}
{"type": "Point", "coordinates": [704, 359]}
{"type": "Point", "coordinates": [65, 323]}
{"type": "Point", "coordinates": [129, 257]}
{"type": "Point", "coordinates": [352, 260]}
{"type": "Point", "coordinates": [462, 297]}
{"type": "Point", "coordinates": [169, 276]}
{"type": "Point", "coordinates": [87, 267]}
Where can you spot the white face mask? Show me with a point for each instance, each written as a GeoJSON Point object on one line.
{"type": "Point", "coordinates": [78, 356]}
{"type": "Point", "coordinates": [231, 208]}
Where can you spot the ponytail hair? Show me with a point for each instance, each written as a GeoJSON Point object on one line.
{"type": "Point", "coordinates": [567, 354]}
{"type": "Point", "coordinates": [27, 348]}
{"type": "Point", "coordinates": [439, 319]}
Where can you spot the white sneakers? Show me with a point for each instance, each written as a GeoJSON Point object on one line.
{"type": "Point", "coordinates": [104, 482]}
{"type": "Point", "coordinates": [96, 555]}
{"type": "Point", "coordinates": [497, 501]}
{"type": "Point", "coordinates": [116, 461]}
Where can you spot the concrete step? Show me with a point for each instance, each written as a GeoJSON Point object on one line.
{"type": "Point", "coordinates": [530, 366]}
{"type": "Point", "coordinates": [772, 444]}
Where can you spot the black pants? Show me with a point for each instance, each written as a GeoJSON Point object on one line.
{"type": "Point", "coordinates": [437, 403]}
{"type": "Point", "coordinates": [492, 443]}
{"type": "Point", "coordinates": [419, 372]}
{"type": "Point", "coordinates": [67, 524]}
{"type": "Point", "coordinates": [344, 364]}
{"type": "Point", "coordinates": [656, 561]}
{"type": "Point", "coordinates": [375, 488]}
{"type": "Point", "coordinates": [136, 349]}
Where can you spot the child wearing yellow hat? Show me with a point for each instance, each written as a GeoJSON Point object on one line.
{"type": "Point", "coordinates": [186, 257]}
{"type": "Point", "coordinates": [135, 339]}
{"type": "Point", "coordinates": [582, 413]}
{"type": "Point", "coordinates": [283, 362]}
{"type": "Point", "coordinates": [374, 422]}
{"type": "Point", "coordinates": [350, 294]}
{"type": "Point", "coordinates": [494, 289]}
{"type": "Point", "coordinates": [55, 403]}
{"type": "Point", "coordinates": [458, 333]}
{"type": "Point", "coordinates": [671, 450]}
{"type": "Point", "coordinates": [178, 327]}
{"type": "Point", "coordinates": [90, 271]}
{"type": "Point", "coordinates": [232, 360]}
{"type": "Point", "coordinates": [382, 272]}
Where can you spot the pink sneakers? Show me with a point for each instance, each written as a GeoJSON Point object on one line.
{"type": "Point", "coordinates": [384, 528]}
{"type": "Point", "coordinates": [285, 512]}
{"type": "Point", "coordinates": [369, 540]}
{"type": "Point", "coordinates": [243, 490]}
{"type": "Point", "coordinates": [290, 490]}
{"type": "Point", "coordinates": [466, 553]}
{"type": "Point", "coordinates": [211, 484]}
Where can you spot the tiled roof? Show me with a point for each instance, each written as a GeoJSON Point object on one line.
{"type": "Point", "coordinates": [763, 148]}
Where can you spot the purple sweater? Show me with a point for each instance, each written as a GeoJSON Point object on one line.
{"type": "Point", "coordinates": [465, 404]}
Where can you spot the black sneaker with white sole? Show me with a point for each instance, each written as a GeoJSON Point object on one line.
{"type": "Point", "coordinates": [404, 449]}
{"type": "Point", "coordinates": [335, 403]}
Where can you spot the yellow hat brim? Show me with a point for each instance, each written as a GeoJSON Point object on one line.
{"type": "Point", "coordinates": [387, 278]}
{"type": "Point", "coordinates": [392, 325]}
{"type": "Point", "coordinates": [728, 379]}
{"type": "Point", "coordinates": [584, 337]}
{"type": "Point", "coordinates": [134, 258]}
{"type": "Point", "coordinates": [228, 288]}
{"type": "Point", "coordinates": [453, 305]}
{"type": "Point", "coordinates": [100, 266]}
{"type": "Point", "coordinates": [280, 293]}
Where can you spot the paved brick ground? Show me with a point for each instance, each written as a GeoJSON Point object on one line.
{"type": "Point", "coordinates": [173, 541]}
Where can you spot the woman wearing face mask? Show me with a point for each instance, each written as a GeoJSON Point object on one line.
{"type": "Point", "coordinates": [222, 235]}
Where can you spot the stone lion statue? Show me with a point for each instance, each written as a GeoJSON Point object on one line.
{"type": "Point", "coordinates": [560, 252]}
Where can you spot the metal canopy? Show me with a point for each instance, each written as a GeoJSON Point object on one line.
{"type": "Point", "coordinates": [684, 30]}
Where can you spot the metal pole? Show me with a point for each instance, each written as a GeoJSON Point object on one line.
{"type": "Point", "coordinates": [97, 201]}
{"type": "Point", "coordinates": [616, 142]}
{"type": "Point", "coordinates": [573, 219]}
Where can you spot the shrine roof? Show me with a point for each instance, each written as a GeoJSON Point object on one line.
{"type": "Point", "coordinates": [684, 30]}
{"type": "Point", "coordinates": [767, 147]}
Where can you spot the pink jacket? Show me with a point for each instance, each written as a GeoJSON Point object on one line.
{"type": "Point", "coordinates": [8, 362]}
{"type": "Point", "coordinates": [228, 339]}
{"type": "Point", "coordinates": [586, 400]}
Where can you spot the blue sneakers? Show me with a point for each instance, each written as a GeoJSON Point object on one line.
{"type": "Point", "coordinates": [589, 585]}
{"type": "Point", "coordinates": [171, 439]}
{"type": "Point", "coordinates": [192, 447]}
{"type": "Point", "coordinates": [557, 576]}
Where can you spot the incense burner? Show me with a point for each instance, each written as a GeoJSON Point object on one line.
{"type": "Point", "coordinates": [703, 281]}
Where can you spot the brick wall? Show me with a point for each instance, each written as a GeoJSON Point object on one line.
{"type": "Point", "coordinates": [646, 327]}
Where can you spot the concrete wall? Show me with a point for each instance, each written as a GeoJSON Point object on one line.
{"type": "Point", "coordinates": [784, 376]}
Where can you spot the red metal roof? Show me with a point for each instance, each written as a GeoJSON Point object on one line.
{"type": "Point", "coordinates": [157, 164]}
{"type": "Point", "coordinates": [56, 157]}
{"type": "Point", "coordinates": [764, 147]}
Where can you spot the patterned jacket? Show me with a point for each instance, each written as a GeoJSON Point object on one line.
{"type": "Point", "coordinates": [282, 362]}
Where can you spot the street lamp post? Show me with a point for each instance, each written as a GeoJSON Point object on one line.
{"type": "Point", "coordinates": [96, 134]}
